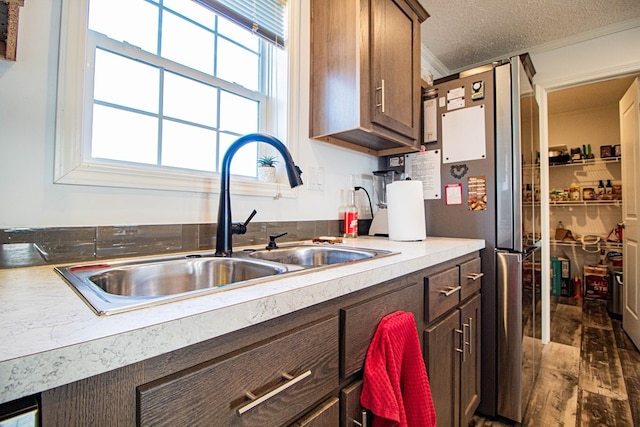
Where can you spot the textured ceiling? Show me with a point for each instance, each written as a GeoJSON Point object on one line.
{"type": "Point", "coordinates": [461, 34]}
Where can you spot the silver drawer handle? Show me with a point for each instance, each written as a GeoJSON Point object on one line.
{"type": "Point", "coordinates": [257, 401]}
{"type": "Point", "coordinates": [364, 420]}
{"type": "Point", "coordinates": [461, 350]}
{"type": "Point", "coordinates": [474, 276]}
{"type": "Point", "coordinates": [381, 89]}
{"type": "Point", "coordinates": [470, 343]}
{"type": "Point", "coordinates": [450, 292]}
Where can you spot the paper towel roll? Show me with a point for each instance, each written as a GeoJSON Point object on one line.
{"type": "Point", "coordinates": [405, 205]}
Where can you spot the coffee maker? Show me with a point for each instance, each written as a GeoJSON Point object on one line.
{"type": "Point", "coordinates": [380, 225]}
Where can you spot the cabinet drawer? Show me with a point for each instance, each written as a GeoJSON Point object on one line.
{"type": "Point", "coordinates": [470, 278]}
{"type": "Point", "coordinates": [286, 375]}
{"type": "Point", "coordinates": [360, 321]}
{"type": "Point", "coordinates": [443, 293]}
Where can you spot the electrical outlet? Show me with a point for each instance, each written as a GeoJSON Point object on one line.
{"type": "Point", "coordinates": [316, 179]}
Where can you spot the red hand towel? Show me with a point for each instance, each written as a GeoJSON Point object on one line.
{"type": "Point", "coordinates": [396, 387]}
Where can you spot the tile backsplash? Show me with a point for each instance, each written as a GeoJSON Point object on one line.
{"type": "Point", "coordinates": [24, 247]}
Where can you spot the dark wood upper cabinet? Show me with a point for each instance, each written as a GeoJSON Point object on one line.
{"type": "Point", "coordinates": [365, 74]}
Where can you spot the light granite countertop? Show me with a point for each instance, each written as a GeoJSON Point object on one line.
{"type": "Point", "coordinates": [50, 337]}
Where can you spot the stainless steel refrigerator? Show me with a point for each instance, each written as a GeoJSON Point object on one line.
{"type": "Point", "coordinates": [486, 123]}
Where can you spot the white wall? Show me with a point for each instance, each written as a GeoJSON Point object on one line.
{"type": "Point", "coordinates": [600, 58]}
{"type": "Point", "coordinates": [28, 197]}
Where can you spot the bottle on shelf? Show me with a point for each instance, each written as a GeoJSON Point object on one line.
{"type": "Point", "coordinates": [527, 193]}
{"type": "Point", "coordinates": [577, 287]}
{"type": "Point", "coordinates": [608, 189]}
{"type": "Point", "coordinates": [351, 216]}
{"type": "Point", "coordinates": [600, 191]}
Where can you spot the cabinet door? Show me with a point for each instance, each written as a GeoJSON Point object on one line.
{"type": "Point", "coordinates": [351, 412]}
{"type": "Point", "coordinates": [470, 372]}
{"type": "Point", "coordinates": [395, 31]}
{"type": "Point", "coordinates": [360, 321]}
{"type": "Point", "coordinates": [325, 415]}
{"type": "Point", "coordinates": [268, 384]}
{"type": "Point", "coordinates": [442, 345]}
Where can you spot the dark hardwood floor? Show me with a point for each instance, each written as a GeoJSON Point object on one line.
{"type": "Point", "coordinates": [589, 374]}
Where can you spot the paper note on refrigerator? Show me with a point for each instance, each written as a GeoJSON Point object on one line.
{"type": "Point", "coordinates": [463, 135]}
{"type": "Point", "coordinates": [430, 121]}
{"type": "Point", "coordinates": [425, 166]}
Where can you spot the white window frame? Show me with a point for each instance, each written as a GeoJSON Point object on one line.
{"type": "Point", "coordinates": [74, 166]}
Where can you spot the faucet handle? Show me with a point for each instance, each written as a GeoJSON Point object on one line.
{"type": "Point", "coordinates": [239, 228]}
{"type": "Point", "coordinates": [272, 240]}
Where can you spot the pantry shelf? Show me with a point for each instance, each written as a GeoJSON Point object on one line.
{"type": "Point", "coordinates": [601, 243]}
{"type": "Point", "coordinates": [585, 162]}
{"type": "Point", "coordinates": [617, 203]}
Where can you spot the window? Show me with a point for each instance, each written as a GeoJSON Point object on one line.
{"type": "Point", "coordinates": [166, 87]}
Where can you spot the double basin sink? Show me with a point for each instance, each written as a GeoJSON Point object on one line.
{"type": "Point", "coordinates": [116, 287]}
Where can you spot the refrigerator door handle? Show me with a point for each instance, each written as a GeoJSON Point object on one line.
{"type": "Point", "coordinates": [509, 288]}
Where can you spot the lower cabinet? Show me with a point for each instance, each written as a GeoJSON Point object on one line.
{"type": "Point", "coordinates": [351, 412]}
{"type": "Point", "coordinates": [358, 323]}
{"type": "Point", "coordinates": [472, 349]}
{"type": "Point", "coordinates": [452, 345]}
{"type": "Point", "coordinates": [302, 369]}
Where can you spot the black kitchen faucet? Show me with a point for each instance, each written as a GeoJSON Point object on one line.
{"type": "Point", "coordinates": [225, 228]}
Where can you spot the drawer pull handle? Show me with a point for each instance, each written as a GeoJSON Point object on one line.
{"type": "Point", "coordinates": [258, 401]}
{"type": "Point", "coordinates": [364, 420]}
{"type": "Point", "coordinates": [464, 341]}
{"type": "Point", "coordinates": [474, 276]}
{"type": "Point", "coordinates": [450, 292]}
{"type": "Point", "coordinates": [470, 342]}
{"type": "Point", "coordinates": [381, 89]}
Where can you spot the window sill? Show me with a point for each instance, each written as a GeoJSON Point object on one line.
{"type": "Point", "coordinates": [141, 177]}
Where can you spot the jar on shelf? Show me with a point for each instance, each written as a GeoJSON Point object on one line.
{"type": "Point", "coordinates": [574, 193]}
{"type": "Point", "coordinates": [589, 193]}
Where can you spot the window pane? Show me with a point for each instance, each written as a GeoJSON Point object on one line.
{"type": "Point", "coordinates": [188, 147]}
{"type": "Point", "coordinates": [187, 44]}
{"type": "Point", "coordinates": [190, 100]}
{"type": "Point", "coordinates": [237, 65]}
{"type": "Point", "coordinates": [244, 162]}
{"type": "Point", "coordinates": [238, 114]}
{"type": "Point", "coordinates": [131, 21]}
{"type": "Point", "coordinates": [123, 135]}
{"type": "Point", "coordinates": [193, 11]}
{"type": "Point", "coordinates": [123, 81]}
{"type": "Point", "coordinates": [237, 33]}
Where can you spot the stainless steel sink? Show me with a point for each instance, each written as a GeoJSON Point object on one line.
{"type": "Point", "coordinates": [315, 255]}
{"type": "Point", "coordinates": [116, 287]}
{"type": "Point", "coordinates": [121, 286]}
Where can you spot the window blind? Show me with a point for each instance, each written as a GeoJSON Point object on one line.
{"type": "Point", "coordinates": [264, 17]}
